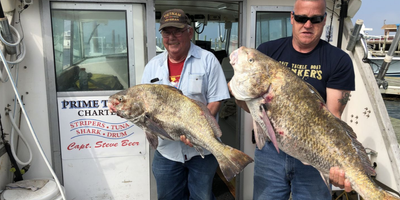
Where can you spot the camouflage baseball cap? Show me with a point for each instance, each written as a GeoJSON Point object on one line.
{"type": "Point", "coordinates": [174, 18]}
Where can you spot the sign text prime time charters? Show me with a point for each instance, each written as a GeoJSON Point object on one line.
{"type": "Point", "coordinates": [88, 129]}
{"type": "Point", "coordinates": [81, 104]}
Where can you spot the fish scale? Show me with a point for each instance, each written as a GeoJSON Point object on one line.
{"type": "Point", "coordinates": [289, 112]}
{"type": "Point", "coordinates": [163, 111]}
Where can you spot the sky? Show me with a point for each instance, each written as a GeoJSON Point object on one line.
{"type": "Point", "coordinates": [374, 12]}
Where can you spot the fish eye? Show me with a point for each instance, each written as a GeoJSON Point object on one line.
{"type": "Point", "coordinates": [251, 60]}
{"type": "Point", "coordinates": [120, 99]}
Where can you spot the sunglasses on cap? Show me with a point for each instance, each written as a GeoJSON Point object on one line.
{"type": "Point", "coordinates": [314, 19]}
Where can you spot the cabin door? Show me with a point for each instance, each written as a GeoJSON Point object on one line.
{"type": "Point", "coordinates": [99, 49]}
{"type": "Point", "coordinates": [267, 22]}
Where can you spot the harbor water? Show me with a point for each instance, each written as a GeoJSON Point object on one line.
{"type": "Point", "coordinates": [392, 103]}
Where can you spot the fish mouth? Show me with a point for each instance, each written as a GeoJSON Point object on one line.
{"type": "Point", "coordinates": [111, 107]}
{"type": "Point", "coordinates": [234, 57]}
{"type": "Point", "coordinates": [121, 114]}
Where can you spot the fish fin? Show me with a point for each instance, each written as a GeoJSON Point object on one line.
{"type": "Point", "coordinates": [362, 154]}
{"type": "Point", "coordinates": [262, 125]}
{"type": "Point", "coordinates": [270, 128]}
{"type": "Point", "coordinates": [153, 139]}
{"type": "Point", "coordinates": [215, 127]}
{"type": "Point", "coordinates": [365, 159]}
{"type": "Point", "coordinates": [210, 118]}
{"type": "Point", "coordinates": [260, 130]}
{"type": "Point", "coordinates": [325, 178]}
{"type": "Point", "coordinates": [231, 161]}
{"type": "Point", "coordinates": [199, 149]}
{"type": "Point", "coordinates": [154, 127]}
{"type": "Point", "coordinates": [366, 162]}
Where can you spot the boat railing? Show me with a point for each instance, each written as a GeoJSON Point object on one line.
{"type": "Point", "coordinates": [380, 78]}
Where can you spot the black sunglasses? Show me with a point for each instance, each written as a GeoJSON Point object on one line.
{"type": "Point", "coordinates": [314, 19]}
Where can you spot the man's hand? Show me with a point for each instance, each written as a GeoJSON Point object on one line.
{"type": "Point", "coordinates": [186, 141]}
{"type": "Point", "coordinates": [338, 179]}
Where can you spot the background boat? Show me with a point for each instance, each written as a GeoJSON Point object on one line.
{"type": "Point", "coordinates": [378, 47]}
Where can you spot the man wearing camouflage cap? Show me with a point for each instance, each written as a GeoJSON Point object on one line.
{"type": "Point", "coordinates": [179, 170]}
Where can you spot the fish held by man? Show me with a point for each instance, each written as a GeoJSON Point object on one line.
{"type": "Point", "coordinates": [162, 110]}
{"type": "Point", "coordinates": [293, 116]}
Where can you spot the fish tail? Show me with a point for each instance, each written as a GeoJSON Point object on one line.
{"type": "Point", "coordinates": [232, 161]}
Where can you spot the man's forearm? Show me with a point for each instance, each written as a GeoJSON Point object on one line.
{"type": "Point", "coordinates": [214, 107]}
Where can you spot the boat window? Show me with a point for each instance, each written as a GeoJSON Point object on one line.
{"type": "Point", "coordinates": [90, 49]}
{"type": "Point", "coordinates": [213, 36]}
{"type": "Point", "coordinates": [218, 33]}
{"type": "Point", "coordinates": [159, 44]}
{"type": "Point", "coordinates": [272, 25]}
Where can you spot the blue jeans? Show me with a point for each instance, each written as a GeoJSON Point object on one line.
{"type": "Point", "coordinates": [278, 174]}
{"type": "Point", "coordinates": [190, 180]}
